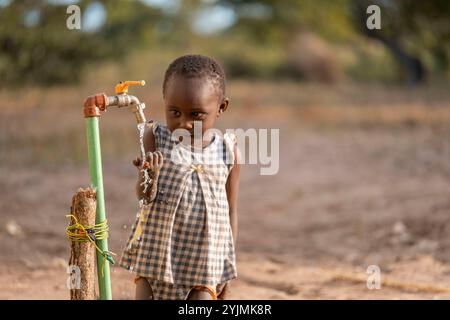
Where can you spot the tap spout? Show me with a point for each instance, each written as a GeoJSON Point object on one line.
{"type": "Point", "coordinates": [125, 100]}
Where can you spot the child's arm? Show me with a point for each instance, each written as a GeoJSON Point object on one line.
{"type": "Point", "coordinates": [153, 163]}
{"type": "Point", "coordinates": [232, 188]}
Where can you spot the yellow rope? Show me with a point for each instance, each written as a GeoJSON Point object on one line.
{"type": "Point", "coordinates": [80, 233]}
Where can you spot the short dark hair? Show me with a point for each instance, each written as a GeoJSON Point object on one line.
{"type": "Point", "coordinates": [197, 66]}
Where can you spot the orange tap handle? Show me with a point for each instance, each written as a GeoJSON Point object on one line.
{"type": "Point", "coordinates": [122, 86]}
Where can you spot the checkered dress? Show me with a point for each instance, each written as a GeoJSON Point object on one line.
{"type": "Point", "coordinates": [186, 235]}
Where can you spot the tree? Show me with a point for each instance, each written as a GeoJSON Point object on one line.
{"type": "Point", "coordinates": [36, 46]}
{"type": "Point", "coordinates": [409, 30]}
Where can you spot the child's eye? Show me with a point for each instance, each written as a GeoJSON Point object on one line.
{"type": "Point", "coordinates": [198, 114]}
{"type": "Point", "coordinates": [175, 113]}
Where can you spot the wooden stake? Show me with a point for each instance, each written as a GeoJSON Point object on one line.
{"type": "Point", "coordinates": [82, 256]}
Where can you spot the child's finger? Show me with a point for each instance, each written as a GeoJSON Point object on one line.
{"type": "Point", "coordinates": [146, 165]}
{"type": "Point", "coordinates": [160, 159]}
{"type": "Point", "coordinates": [137, 161]}
{"type": "Point", "coordinates": [155, 158]}
{"type": "Point", "coordinates": [150, 158]}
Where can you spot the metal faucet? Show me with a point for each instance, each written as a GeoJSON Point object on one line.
{"type": "Point", "coordinates": [99, 102]}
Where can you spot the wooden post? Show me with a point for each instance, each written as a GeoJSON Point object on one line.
{"type": "Point", "coordinates": [82, 256]}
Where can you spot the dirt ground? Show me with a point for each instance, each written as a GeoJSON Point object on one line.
{"type": "Point", "coordinates": [354, 189]}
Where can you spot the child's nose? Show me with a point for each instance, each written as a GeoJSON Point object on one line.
{"type": "Point", "coordinates": [186, 124]}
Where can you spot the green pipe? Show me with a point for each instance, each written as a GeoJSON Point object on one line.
{"type": "Point", "coordinates": [95, 171]}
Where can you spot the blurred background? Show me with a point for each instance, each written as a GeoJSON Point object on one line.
{"type": "Point", "coordinates": [364, 119]}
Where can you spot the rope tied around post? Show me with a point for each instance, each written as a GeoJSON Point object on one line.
{"type": "Point", "coordinates": [80, 233]}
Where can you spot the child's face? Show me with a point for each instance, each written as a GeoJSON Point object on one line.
{"type": "Point", "coordinates": [192, 99]}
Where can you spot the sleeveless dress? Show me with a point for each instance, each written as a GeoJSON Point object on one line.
{"type": "Point", "coordinates": [184, 236]}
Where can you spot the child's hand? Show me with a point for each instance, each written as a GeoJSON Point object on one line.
{"type": "Point", "coordinates": [137, 162]}
{"type": "Point", "coordinates": [148, 175]}
{"type": "Point", "coordinates": [153, 161]}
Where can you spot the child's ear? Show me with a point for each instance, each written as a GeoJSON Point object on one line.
{"type": "Point", "coordinates": [223, 106]}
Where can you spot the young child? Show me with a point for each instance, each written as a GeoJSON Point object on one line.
{"type": "Point", "coordinates": [182, 244]}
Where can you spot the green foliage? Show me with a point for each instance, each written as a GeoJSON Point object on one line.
{"type": "Point", "coordinates": [47, 52]}
{"type": "Point", "coordinates": [420, 28]}
{"type": "Point", "coordinates": [370, 63]}
{"type": "Point", "coordinates": [259, 45]}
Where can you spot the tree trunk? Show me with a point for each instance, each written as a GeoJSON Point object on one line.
{"type": "Point", "coordinates": [413, 68]}
{"type": "Point", "coordinates": [82, 257]}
